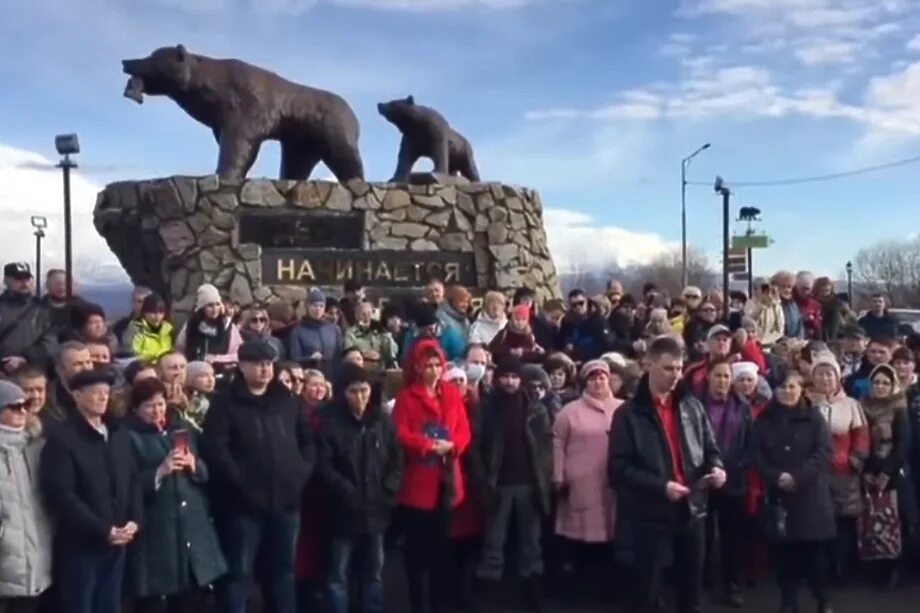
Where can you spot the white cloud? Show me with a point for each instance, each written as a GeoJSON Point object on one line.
{"type": "Point", "coordinates": [297, 7]}
{"type": "Point", "coordinates": [828, 53]}
{"type": "Point", "coordinates": [579, 242]}
{"type": "Point", "coordinates": [30, 185]}
{"type": "Point", "coordinates": [914, 43]}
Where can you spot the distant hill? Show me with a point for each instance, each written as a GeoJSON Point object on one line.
{"type": "Point", "coordinates": [114, 298]}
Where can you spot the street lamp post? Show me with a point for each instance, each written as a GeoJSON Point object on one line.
{"type": "Point", "coordinates": [67, 145]}
{"type": "Point", "coordinates": [39, 223]}
{"type": "Point", "coordinates": [850, 282]}
{"type": "Point", "coordinates": [726, 193]}
{"type": "Point", "coordinates": [684, 164]}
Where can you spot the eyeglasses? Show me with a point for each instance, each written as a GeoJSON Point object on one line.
{"type": "Point", "coordinates": [17, 406]}
{"type": "Point", "coordinates": [259, 320]}
{"type": "Point", "coordinates": [538, 386]}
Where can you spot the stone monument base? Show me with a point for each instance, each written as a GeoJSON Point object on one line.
{"type": "Point", "coordinates": [264, 240]}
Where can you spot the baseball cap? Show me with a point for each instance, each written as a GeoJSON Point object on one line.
{"type": "Point", "coordinates": [718, 330]}
{"type": "Point", "coordinates": [17, 270]}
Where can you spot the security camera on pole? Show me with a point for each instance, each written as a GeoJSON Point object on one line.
{"type": "Point", "coordinates": [67, 145]}
{"type": "Point", "coordinates": [39, 223]}
{"type": "Point", "coordinates": [726, 194]}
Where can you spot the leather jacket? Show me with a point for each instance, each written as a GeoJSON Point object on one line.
{"type": "Point", "coordinates": [640, 460]}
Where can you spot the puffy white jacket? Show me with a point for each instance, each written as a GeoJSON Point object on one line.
{"type": "Point", "coordinates": [25, 528]}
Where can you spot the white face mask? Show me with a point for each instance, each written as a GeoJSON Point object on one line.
{"type": "Point", "coordinates": [475, 372]}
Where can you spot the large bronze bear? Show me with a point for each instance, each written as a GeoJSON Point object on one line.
{"type": "Point", "coordinates": [425, 133]}
{"type": "Point", "coordinates": [245, 105]}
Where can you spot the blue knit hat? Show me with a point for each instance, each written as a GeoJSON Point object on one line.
{"type": "Point", "coordinates": [315, 296]}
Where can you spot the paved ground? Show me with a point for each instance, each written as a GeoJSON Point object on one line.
{"type": "Point", "coordinates": [856, 599]}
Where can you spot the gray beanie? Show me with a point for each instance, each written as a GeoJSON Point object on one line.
{"type": "Point", "coordinates": [10, 394]}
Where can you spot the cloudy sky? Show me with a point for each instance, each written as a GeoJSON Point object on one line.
{"type": "Point", "coordinates": [593, 102]}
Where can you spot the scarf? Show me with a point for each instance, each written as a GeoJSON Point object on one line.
{"type": "Point", "coordinates": [881, 413]}
{"type": "Point", "coordinates": [726, 420]}
{"type": "Point", "coordinates": [207, 337]}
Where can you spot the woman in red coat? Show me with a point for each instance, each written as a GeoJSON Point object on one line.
{"type": "Point", "coordinates": [432, 427]}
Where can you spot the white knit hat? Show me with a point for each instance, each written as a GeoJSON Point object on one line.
{"type": "Point", "coordinates": [826, 358]}
{"type": "Point", "coordinates": [739, 369]}
{"type": "Point", "coordinates": [207, 294]}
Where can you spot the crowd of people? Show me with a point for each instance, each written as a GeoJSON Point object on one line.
{"type": "Point", "coordinates": [278, 455]}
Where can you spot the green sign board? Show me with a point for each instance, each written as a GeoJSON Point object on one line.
{"type": "Point", "coordinates": [750, 241]}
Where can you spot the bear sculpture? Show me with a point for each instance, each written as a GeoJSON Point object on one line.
{"type": "Point", "coordinates": [426, 133]}
{"type": "Point", "coordinates": [245, 105]}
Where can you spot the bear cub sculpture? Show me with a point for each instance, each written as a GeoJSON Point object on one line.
{"type": "Point", "coordinates": [245, 105]}
{"type": "Point", "coordinates": [426, 133]}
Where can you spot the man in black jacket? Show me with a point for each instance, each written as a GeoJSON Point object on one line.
{"type": "Point", "coordinates": [663, 458]}
{"type": "Point", "coordinates": [26, 334]}
{"type": "Point", "coordinates": [518, 459]}
{"type": "Point", "coordinates": [360, 462]}
{"type": "Point", "coordinates": [259, 446]}
{"type": "Point", "coordinates": [89, 478]}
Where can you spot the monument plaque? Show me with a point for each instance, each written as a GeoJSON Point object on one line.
{"type": "Point", "coordinates": [302, 230]}
{"type": "Point", "coordinates": [384, 269]}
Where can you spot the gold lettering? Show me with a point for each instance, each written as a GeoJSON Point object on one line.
{"type": "Point", "coordinates": [451, 272]}
{"type": "Point", "coordinates": [344, 270]}
{"type": "Point", "coordinates": [285, 270]}
{"type": "Point", "coordinates": [306, 272]}
{"type": "Point", "coordinates": [367, 270]}
{"type": "Point", "coordinates": [383, 272]}
{"type": "Point", "coordinates": [433, 271]}
{"type": "Point", "coordinates": [400, 272]}
{"type": "Point", "coordinates": [418, 273]}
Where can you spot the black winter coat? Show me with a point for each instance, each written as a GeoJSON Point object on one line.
{"type": "Point", "coordinates": [360, 462]}
{"type": "Point", "coordinates": [178, 550]}
{"type": "Point", "coordinates": [797, 441]}
{"type": "Point", "coordinates": [546, 334]}
{"type": "Point", "coordinates": [26, 330]}
{"type": "Point", "coordinates": [640, 463]}
{"type": "Point", "coordinates": [259, 449]}
{"type": "Point", "coordinates": [539, 436]}
{"type": "Point", "coordinates": [90, 483]}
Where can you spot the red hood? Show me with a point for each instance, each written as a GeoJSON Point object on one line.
{"type": "Point", "coordinates": [416, 353]}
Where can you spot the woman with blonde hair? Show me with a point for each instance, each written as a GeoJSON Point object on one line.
{"type": "Point", "coordinates": [491, 319]}
{"type": "Point", "coordinates": [256, 325]}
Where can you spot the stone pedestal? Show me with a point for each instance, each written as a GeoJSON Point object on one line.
{"type": "Point", "coordinates": [266, 240]}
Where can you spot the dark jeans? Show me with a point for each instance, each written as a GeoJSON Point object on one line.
{"type": "Point", "coordinates": [520, 503]}
{"type": "Point", "coordinates": [427, 554]}
{"type": "Point", "coordinates": [801, 561]}
{"type": "Point", "coordinates": [734, 537]}
{"type": "Point", "coordinates": [370, 549]}
{"type": "Point", "coordinates": [243, 537]}
{"type": "Point", "coordinates": [655, 548]}
{"type": "Point", "coordinates": [19, 605]}
{"type": "Point", "coordinates": [91, 582]}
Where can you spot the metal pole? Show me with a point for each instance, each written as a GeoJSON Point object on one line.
{"type": "Point", "coordinates": [684, 278]}
{"type": "Point", "coordinates": [726, 196]}
{"type": "Point", "coordinates": [38, 262]}
{"type": "Point", "coordinates": [750, 268]}
{"type": "Point", "coordinates": [66, 164]}
{"type": "Point", "coordinates": [850, 285]}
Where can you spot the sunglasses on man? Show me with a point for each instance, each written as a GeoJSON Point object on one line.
{"type": "Point", "coordinates": [17, 406]}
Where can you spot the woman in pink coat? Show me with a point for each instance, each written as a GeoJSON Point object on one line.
{"type": "Point", "coordinates": [586, 506]}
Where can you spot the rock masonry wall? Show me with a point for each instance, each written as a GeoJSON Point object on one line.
{"type": "Point", "coordinates": [176, 233]}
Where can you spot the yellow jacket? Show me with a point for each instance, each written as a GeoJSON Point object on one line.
{"type": "Point", "coordinates": [150, 345]}
{"type": "Point", "coordinates": [678, 323]}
